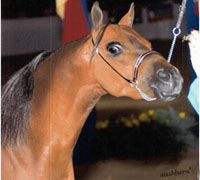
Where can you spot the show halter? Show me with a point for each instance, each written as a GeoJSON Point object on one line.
{"type": "Point", "coordinates": [133, 82]}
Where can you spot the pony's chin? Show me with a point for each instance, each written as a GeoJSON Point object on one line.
{"type": "Point", "coordinates": [163, 96]}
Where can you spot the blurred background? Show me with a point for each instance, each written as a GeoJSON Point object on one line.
{"type": "Point", "coordinates": [166, 132]}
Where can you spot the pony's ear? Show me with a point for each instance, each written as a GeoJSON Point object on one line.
{"type": "Point", "coordinates": [96, 16]}
{"type": "Point", "coordinates": [128, 18]}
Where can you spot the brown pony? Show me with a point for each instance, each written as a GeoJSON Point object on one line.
{"type": "Point", "coordinates": [46, 103]}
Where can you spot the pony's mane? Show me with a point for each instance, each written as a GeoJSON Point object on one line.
{"type": "Point", "coordinates": [17, 102]}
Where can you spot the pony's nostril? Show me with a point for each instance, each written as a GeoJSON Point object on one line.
{"type": "Point", "coordinates": [167, 83]}
{"type": "Point", "coordinates": [163, 75]}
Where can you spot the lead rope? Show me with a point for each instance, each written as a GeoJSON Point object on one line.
{"type": "Point", "coordinates": [176, 30]}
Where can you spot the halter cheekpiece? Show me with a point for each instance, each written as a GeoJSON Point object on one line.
{"type": "Point", "coordinates": [133, 82]}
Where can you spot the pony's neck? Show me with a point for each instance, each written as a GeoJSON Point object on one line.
{"type": "Point", "coordinates": [65, 91]}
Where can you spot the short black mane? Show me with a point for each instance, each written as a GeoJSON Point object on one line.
{"type": "Point", "coordinates": [16, 102]}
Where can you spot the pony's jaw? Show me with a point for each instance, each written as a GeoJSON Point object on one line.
{"type": "Point", "coordinates": [164, 82]}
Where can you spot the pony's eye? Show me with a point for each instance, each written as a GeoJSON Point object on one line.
{"type": "Point", "coordinates": [114, 48]}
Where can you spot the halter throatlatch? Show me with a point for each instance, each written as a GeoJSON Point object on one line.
{"type": "Point", "coordinates": [133, 82]}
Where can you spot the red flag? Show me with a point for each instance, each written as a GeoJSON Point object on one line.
{"type": "Point", "coordinates": [196, 8]}
{"type": "Point", "coordinates": [75, 24]}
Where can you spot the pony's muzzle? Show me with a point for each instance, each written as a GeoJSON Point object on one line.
{"type": "Point", "coordinates": [167, 83]}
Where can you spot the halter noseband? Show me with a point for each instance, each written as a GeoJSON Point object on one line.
{"type": "Point", "coordinates": [133, 83]}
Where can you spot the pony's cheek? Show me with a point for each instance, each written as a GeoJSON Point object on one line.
{"type": "Point", "coordinates": [109, 80]}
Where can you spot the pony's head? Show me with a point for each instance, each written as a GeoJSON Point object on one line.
{"type": "Point", "coordinates": [124, 63]}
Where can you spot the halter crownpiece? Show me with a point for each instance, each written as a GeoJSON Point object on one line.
{"type": "Point", "coordinates": [134, 82]}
